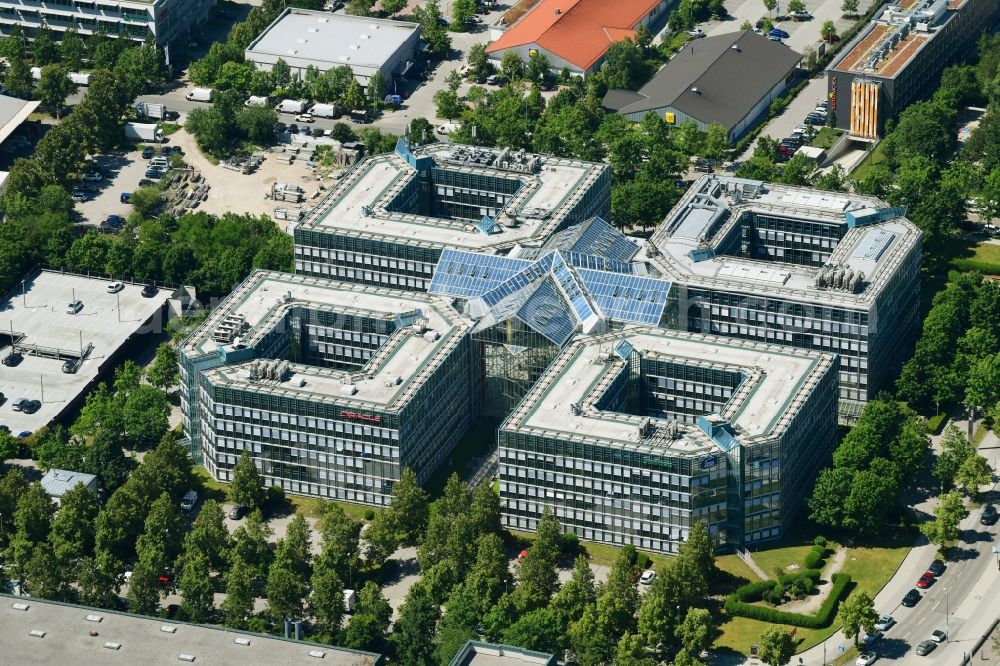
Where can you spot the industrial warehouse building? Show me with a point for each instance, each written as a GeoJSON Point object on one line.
{"type": "Point", "coordinates": [696, 375]}
{"type": "Point", "coordinates": [388, 220]}
{"type": "Point", "coordinates": [798, 267]}
{"type": "Point", "coordinates": [572, 34]}
{"type": "Point", "coordinates": [898, 59]}
{"type": "Point", "coordinates": [329, 385]}
{"type": "Point", "coordinates": [728, 79]}
{"type": "Point", "coordinates": [631, 436]}
{"type": "Point", "coordinates": [304, 38]}
{"type": "Point", "coordinates": [161, 21]}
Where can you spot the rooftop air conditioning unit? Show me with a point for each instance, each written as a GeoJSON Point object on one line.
{"type": "Point", "coordinates": [348, 389]}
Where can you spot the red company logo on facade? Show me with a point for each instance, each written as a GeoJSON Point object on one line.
{"type": "Point", "coordinates": [355, 416]}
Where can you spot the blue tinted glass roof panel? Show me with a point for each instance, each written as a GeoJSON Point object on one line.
{"type": "Point", "coordinates": [546, 312]}
{"type": "Point", "coordinates": [600, 239]}
{"type": "Point", "coordinates": [627, 298]}
{"type": "Point", "coordinates": [469, 274]}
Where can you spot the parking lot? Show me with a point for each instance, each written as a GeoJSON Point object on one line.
{"type": "Point", "coordinates": [122, 172]}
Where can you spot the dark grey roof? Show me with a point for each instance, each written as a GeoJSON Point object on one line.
{"type": "Point", "coordinates": [729, 81]}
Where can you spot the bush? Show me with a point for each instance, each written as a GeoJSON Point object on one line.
{"type": "Point", "coordinates": [813, 560]}
{"type": "Point", "coordinates": [823, 617]}
{"type": "Point", "coordinates": [820, 541]}
{"type": "Point", "coordinates": [776, 595]}
{"type": "Point", "coordinates": [811, 574]}
{"type": "Point", "coordinates": [571, 542]}
{"type": "Point", "coordinates": [754, 591]}
{"type": "Point", "coordinates": [275, 496]}
{"type": "Point", "coordinates": [641, 560]}
{"type": "Point", "coordinates": [369, 514]}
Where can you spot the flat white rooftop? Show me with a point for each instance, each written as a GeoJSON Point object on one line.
{"type": "Point", "coordinates": [39, 315]}
{"type": "Point", "coordinates": [777, 381]}
{"type": "Point", "coordinates": [79, 635]}
{"type": "Point", "coordinates": [395, 370]}
{"type": "Point", "coordinates": [333, 40]}
{"type": "Point", "coordinates": [709, 209]}
{"type": "Point", "coordinates": [541, 205]}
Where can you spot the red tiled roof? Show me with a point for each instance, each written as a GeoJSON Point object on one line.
{"type": "Point", "coordinates": [580, 32]}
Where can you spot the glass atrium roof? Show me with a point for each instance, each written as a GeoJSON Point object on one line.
{"type": "Point", "coordinates": [561, 291]}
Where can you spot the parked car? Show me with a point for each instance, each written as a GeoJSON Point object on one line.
{"type": "Point", "coordinates": [237, 512]}
{"type": "Point", "coordinates": [696, 33]}
{"type": "Point", "coordinates": [816, 119]}
{"type": "Point", "coordinates": [74, 306]}
{"type": "Point", "coordinates": [866, 659]}
{"type": "Point", "coordinates": [494, 80]}
{"type": "Point", "coordinates": [125, 197]}
{"type": "Point", "coordinates": [149, 291]}
{"type": "Point", "coordinates": [189, 500]}
{"type": "Point", "coordinates": [155, 174]}
{"type": "Point", "coordinates": [293, 129]}
{"type": "Point", "coordinates": [13, 359]}
{"type": "Point", "coordinates": [176, 150]}
{"type": "Point", "coordinates": [115, 287]}
{"type": "Point", "coordinates": [989, 515]}
{"type": "Point", "coordinates": [305, 118]}
{"type": "Point", "coordinates": [885, 623]}
{"type": "Point", "coordinates": [774, 38]}
{"type": "Point", "coordinates": [911, 598]}
{"type": "Point", "coordinates": [803, 15]}
{"type": "Point", "coordinates": [93, 176]}
{"type": "Point", "coordinates": [778, 32]}
{"type": "Point", "coordinates": [925, 648]}
{"type": "Point", "coordinates": [280, 128]}
{"type": "Point", "coordinates": [26, 405]}
{"type": "Point", "coordinates": [647, 577]}
{"type": "Point", "coordinates": [938, 636]}
{"type": "Point", "coordinates": [68, 367]}
{"type": "Point", "coordinates": [317, 131]}
{"type": "Point", "coordinates": [937, 568]}
{"type": "Point", "coordinates": [79, 196]}
{"type": "Point", "coordinates": [871, 639]}
{"type": "Point", "coordinates": [926, 580]}
{"type": "Point", "coordinates": [145, 182]}
{"type": "Point", "coordinates": [147, 152]}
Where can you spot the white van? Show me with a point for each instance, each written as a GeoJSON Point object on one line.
{"type": "Point", "coordinates": [190, 499]}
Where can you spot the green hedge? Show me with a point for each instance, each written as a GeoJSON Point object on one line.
{"type": "Point", "coordinates": [754, 591]}
{"type": "Point", "coordinates": [936, 423]}
{"type": "Point", "coordinates": [813, 560]}
{"type": "Point", "coordinates": [823, 617]}
{"type": "Point", "coordinates": [789, 578]}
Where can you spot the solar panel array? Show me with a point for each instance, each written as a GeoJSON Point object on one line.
{"type": "Point", "coordinates": [545, 311]}
{"type": "Point", "coordinates": [627, 297]}
{"type": "Point", "coordinates": [600, 239]}
{"type": "Point", "coordinates": [469, 274]}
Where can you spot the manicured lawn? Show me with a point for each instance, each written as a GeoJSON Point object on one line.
{"type": "Point", "coordinates": [307, 506]}
{"type": "Point", "coordinates": [734, 566]}
{"type": "Point", "coordinates": [869, 567]}
{"type": "Point", "coordinates": [983, 257]}
{"type": "Point", "coordinates": [874, 158]}
{"type": "Point", "coordinates": [826, 137]}
{"type": "Point", "coordinates": [785, 552]}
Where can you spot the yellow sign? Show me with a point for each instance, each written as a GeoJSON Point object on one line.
{"type": "Point", "coordinates": [532, 53]}
{"type": "Point", "coordinates": [670, 118]}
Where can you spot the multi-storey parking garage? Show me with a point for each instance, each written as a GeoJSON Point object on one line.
{"type": "Point", "coordinates": [333, 387]}
{"type": "Point", "coordinates": [388, 220]}
{"type": "Point", "coordinates": [631, 436]}
{"type": "Point", "coordinates": [799, 267]}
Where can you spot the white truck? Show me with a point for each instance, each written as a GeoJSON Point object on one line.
{"type": "Point", "coordinates": [80, 78]}
{"type": "Point", "coordinates": [324, 110]}
{"type": "Point", "coordinates": [200, 95]}
{"type": "Point", "coordinates": [256, 100]}
{"type": "Point", "coordinates": [291, 106]}
{"type": "Point", "coordinates": [143, 132]}
{"type": "Point", "coordinates": [36, 73]}
{"type": "Point", "coordinates": [350, 599]}
{"type": "Point", "coordinates": [151, 110]}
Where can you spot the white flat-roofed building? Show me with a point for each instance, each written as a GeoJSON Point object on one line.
{"type": "Point", "coordinates": [631, 436]}
{"type": "Point", "coordinates": [161, 21]}
{"type": "Point", "coordinates": [333, 387]}
{"type": "Point", "coordinates": [388, 220]}
{"type": "Point", "coordinates": [56, 356]}
{"type": "Point", "coordinates": [304, 38]}
{"type": "Point", "coordinates": [793, 266]}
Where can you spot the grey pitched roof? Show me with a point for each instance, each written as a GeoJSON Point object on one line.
{"type": "Point", "coordinates": [730, 81]}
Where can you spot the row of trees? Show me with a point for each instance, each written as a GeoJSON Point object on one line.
{"type": "Point", "coordinates": [861, 491]}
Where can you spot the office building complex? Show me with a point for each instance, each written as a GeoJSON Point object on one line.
{"type": "Point", "coordinates": [630, 436]}
{"type": "Point", "coordinates": [161, 21]}
{"type": "Point", "coordinates": [333, 387]}
{"type": "Point", "coordinates": [304, 38]}
{"type": "Point", "coordinates": [388, 220]}
{"type": "Point", "coordinates": [898, 58]}
{"type": "Point", "coordinates": [798, 267]}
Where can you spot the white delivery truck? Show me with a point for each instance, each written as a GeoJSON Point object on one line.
{"type": "Point", "coordinates": [36, 73]}
{"type": "Point", "coordinates": [200, 95]}
{"type": "Point", "coordinates": [350, 599]}
{"type": "Point", "coordinates": [256, 100]}
{"type": "Point", "coordinates": [291, 106]}
{"type": "Point", "coordinates": [80, 78]}
{"type": "Point", "coordinates": [143, 132]}
{"type": "Point", "coordinates": [324, 110]}
{"type": "Point", "coordinates": [151, 110]}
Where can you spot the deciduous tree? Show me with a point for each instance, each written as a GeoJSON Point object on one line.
{"type": "Point", "coordinates": [776, 646]}
{"type": "Point", "coordinates": [247, 487]}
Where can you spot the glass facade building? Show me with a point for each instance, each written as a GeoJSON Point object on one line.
{"type": "Point", "coordinates": [633, 445]}
{"type": "Point", "coordinates": [329, 385]}
{"type": "Point", "coordinates": [797, 267]}
{"type": "Point", "coordinates": [387, 222]}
